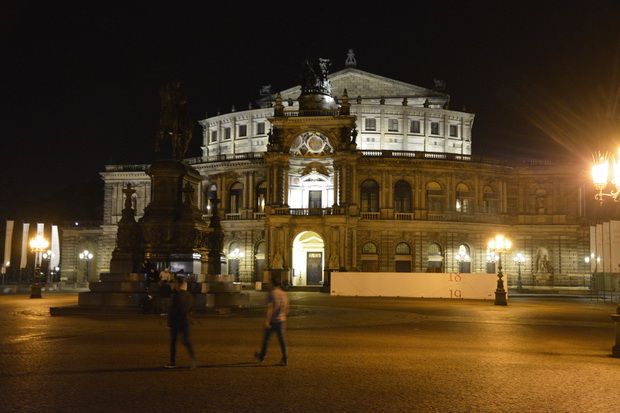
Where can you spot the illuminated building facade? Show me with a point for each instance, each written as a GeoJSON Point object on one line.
{"type": "Point", "coordinates": [356, 172]}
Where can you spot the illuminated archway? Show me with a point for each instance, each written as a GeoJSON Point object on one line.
{"type": "Point", "coordinates": [308, 259]}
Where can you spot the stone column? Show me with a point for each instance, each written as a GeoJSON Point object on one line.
{"type": "Point", "coordinates": [337, 172]}
{"type": "Point", "coordinates": [285, 173]}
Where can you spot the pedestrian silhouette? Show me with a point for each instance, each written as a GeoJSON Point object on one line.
{"type": "Point", "coordinates": [178, 321]}
{"type": "Point", "coordinates": [275, 320]}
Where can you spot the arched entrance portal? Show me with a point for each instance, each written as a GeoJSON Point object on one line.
{"type": "Point", "coordinates": [308, 259]}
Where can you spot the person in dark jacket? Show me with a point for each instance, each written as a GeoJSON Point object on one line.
{"type": "Point", "coordinates": [151, 276]}
{"type": "Point", "coordinates": [178, 321]}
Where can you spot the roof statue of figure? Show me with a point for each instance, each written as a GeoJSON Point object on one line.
{"type": "Point", "coordinates": [350, 62]}
{"type": "Point", "coordinates": [175, 127]}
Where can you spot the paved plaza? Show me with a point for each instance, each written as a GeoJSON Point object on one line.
{"type": "Point", "coordinates": [346, 354]}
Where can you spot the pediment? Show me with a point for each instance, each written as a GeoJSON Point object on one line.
{"type": "Point", "coordinates": [367, 85]}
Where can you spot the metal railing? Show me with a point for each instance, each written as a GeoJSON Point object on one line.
{"type": "Point", "coordinates": [312, 112]}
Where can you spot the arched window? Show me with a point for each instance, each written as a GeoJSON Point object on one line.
{"type": "Point", "coordinates": [369, 248]}
{"type": "Point", "coordinates": [211, 194]}
{"type": "Point", "coordinates": [463, 258]}
{"type": "Point", "coordinates": [403, 257]}
{"type": "Point", "coordinates": [236, 198]}
{"type": "Point", "coordinates": [435, 258]}
{"type": "Point", "coordinates": [402, 197]}
{"type": "Point", "coordinates": [370, 258]}
{"type": "Point", "coordinates": [434, 197]}
{"type": "Point", "coordinates": [261, 196]}
{"type": "Point", "coordinates": [370, 196]}
{"type": "Point", "coordinates": [463, 199]}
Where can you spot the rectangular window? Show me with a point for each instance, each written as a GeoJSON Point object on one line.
{"type": "Point", "coordinates": [403, 266]}
{"type": "Point", "coordinates": [243, 130]}
{"type": "Point", "coordinates": [415, 126]}
{"type": "Point", "coordinates": [434, 128]}
{"type": "Point", "coordinates": [393, 125]}
{"type": "Point", "coordinates": [214, 136]}
{"type": "Point", "coordinates": [314, 200]}
{"type": "Point", "coordinates": [260, 128]}
{"type": "Point", "coordinates": [371, 124]}
{"type": "Point", "coordinates": [454, 130]}
{"type": "Point", "coordinates": [227, 133]}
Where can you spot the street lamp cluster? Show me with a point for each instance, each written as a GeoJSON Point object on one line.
{"type": "Point", "coordinates": [38, 245]}
{"type": "Point", "coordinates": [500, 245]}
{"type": "Point", "coordinates": [601, 176]}
{"type": "Point", "coordinates": [462, 258]}
{"type": "Point", "coordinates": [86, 256]}
{"type": "Point", "coordinates": [519, 259]}
{"type": "Point", "coordinates": [236, 255]}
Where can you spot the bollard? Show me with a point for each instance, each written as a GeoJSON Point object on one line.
{"type": "Point", "coordinates": [615, 350]}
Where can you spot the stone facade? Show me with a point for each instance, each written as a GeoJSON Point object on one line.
{"type": "Point", "coordinates": [387, 182]}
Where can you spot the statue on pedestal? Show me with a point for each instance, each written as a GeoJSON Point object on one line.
{"type": "Point", "coordinates": [175, 127]}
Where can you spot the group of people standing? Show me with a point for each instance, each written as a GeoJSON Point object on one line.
{"type": "Point", "coordinates": [177, 304]}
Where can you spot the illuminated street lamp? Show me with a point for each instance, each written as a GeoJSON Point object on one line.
{"type": "Point", "coordinates": [519, 260]}
{"type": "Point", "coordinates": [86, 256]}
{"type": "Point", "coordinates": [49, 255]}
{"type": "Point", "coordinates": [38, 245]}
{"type": "Point", "coordinates": [500, 245]}
{"type": "Point", "coordinates": [236, 255]}
{"type": "Point", "coordinates": [600, 176]}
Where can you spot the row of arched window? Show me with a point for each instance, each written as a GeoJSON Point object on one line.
{"type": "Point", "coordinates": [435, 197]}
{"type": "Point", "coordinates": [404, 260]}
{"type": "Point", "coordinates": [369, 197]}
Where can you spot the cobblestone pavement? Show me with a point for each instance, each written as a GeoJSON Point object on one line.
{"type": "Point", "coordinates": [347, 354]}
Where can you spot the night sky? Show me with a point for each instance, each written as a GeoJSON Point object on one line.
{"type": "Point", "coordinates": [81, 79]}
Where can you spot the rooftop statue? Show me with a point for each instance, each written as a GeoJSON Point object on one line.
{"type": "Point", "coordinates": [314, 76]}
{"type": "Point", "coordinates": [175, 127]}
{"type": "Point", "coordinates": [350, 62]}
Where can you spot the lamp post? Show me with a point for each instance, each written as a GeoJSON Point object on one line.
{"type": "Point", "coordinates": [600, 176]}
{"type": "Point", "coordinates": [589, 268]}
{"type": "Point", "coordinates": [500, 245]}
{"type": "Point", "coordinates": [519, 260]}
{"type": "Point", "coordinates": [49, 255]}
{"type": "Point", "coordinates": [86, 256]}
{"type": "Point", "coordinates": [461, 258]}
{"type": "Point", "coordinates": [38, 245]}
{"type": "Point", "coordinates": [5, 265]}
{"type": "Point", "coordinates": [236, 255]}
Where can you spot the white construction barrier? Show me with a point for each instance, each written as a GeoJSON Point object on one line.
{"type": "Point", "coordinates": [405, 284]}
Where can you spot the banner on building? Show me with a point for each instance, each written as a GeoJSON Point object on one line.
{"type": "Point", "coordinates": [8, 238]}
{"type": "Point", "coordinates": [55, 247]}
{"type": "Point", "coordinates": [24, 257]}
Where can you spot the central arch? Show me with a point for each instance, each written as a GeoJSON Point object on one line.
{"type": "Point", "coordinates": [308, 259]}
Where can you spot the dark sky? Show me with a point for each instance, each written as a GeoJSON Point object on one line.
{"type": "Point", "coordinates": [81, 79]}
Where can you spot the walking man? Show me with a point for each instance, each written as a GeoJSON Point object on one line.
{"type": "Point", "coordinates": [178, 321]}
{"type": "Point", "coordinates": [277, 309]}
